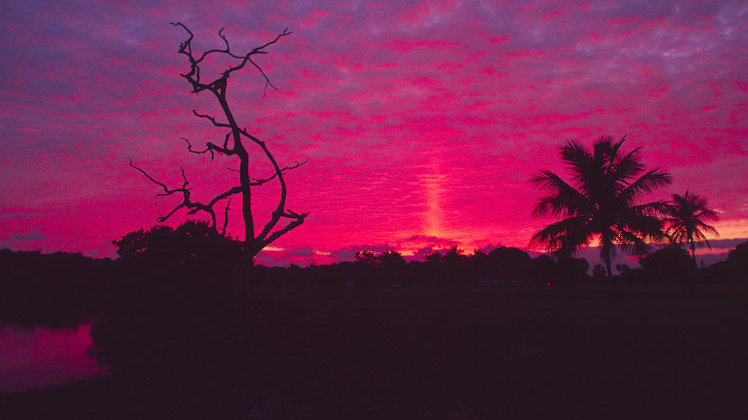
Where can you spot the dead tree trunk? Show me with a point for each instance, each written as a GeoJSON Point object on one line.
{"type": "Point", "coordinates": [233, 144]}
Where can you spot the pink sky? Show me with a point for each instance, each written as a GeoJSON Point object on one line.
{"type": "Point", "coordinates": [422, 121]}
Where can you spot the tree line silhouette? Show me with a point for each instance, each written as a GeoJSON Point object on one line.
{"type": "Point", "coordinates": [181, 337]}
{"type": "Point", "coordinates": [63, 288]}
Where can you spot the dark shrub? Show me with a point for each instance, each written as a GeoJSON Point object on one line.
{"type": "Point", "coordinates": [193, 243]}
{"type": "Point", "coordinates": [671, 264]}
{"type": "Point", "coordinates": [737, 261]}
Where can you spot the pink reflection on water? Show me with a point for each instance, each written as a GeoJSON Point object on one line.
{"type": "Point", "coordinates": [33, 357]}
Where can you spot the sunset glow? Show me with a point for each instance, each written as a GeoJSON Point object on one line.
{"type": "Point", "coordinates": [422, 121]}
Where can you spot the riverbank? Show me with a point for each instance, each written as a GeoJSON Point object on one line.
{"type": "Point", "coordinates": [111, 397]}
{"type": "Point", "coordinates": [448, 353]}
{"type": "Point", "coordinates": [87, 399]}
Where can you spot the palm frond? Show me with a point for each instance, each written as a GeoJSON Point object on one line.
{"type": "Point", "coordinates": [632, 244]}
{"type": "Point", "coordinates": [563, 237]}
{"type": "Point", "coordinates": [658, 209]}
{"type": "Point", "coordinates": [580, 162]}
{"type": "Point", "coordinates": [646, 227]}
{"type": "Point", "coordinates": [603, 149]}
{"type": "Point", "coordinates": [706, 214]}
{"type": "Point", "coordinates": [645, 184]}
{"type": "Point", "coordinates": [701, 226]}
{"type": "Point", "coordinates": [628, 166]}
{"type": "Point", "coordinates": [562, 198]}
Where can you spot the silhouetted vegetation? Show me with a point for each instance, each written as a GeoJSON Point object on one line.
{"type": "Point", "coordinates": [162, 264]}
{"type": "Point", "coordinates": [733, 270]}
{"type": "Point", "coordinates": [193, 243]}
{"type": "Point", "coordinates": [737, 260]}
{"type": "Point", "coordinates": [423, 352]}
{"type": "Point", "coordinates": [669, 265]}
{"type": "Point", "coordinates": [601, 202]}
{"type": "Point", "coordinates": [236, 144]}
{"type": "Point", "coordinates": [685, 216]}
{"type": "Point", "coordinates": [186, 332]}
{"type": "Point", "coordinates": [58, 289]}
{"type": "Point", "coordinates": [493, 332]}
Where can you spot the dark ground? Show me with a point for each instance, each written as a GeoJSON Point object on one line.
{"type": "Point", "coordinates": [449, 353]}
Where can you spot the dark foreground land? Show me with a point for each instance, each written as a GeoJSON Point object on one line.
{"type": "Point", "coordinates": [439, 353]}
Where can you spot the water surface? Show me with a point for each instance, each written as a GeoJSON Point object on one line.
{"type": "Point", "coordinates": [33, 357]}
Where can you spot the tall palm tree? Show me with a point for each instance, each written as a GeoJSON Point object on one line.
{"type": "Point", "coordinates": [685, 221]}
{"type": "Point", "coordinates": [600, 202]}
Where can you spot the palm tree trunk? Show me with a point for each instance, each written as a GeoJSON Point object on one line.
{"type": "Point", "coordinates": [607, 266]}
{"type": "Point", "coordinates": [693, 252]}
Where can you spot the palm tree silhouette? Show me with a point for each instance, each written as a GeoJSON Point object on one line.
{"type": "Point", "coordinates": [600, 202]}
{"type": "Point", "coordinates": [685, 215]}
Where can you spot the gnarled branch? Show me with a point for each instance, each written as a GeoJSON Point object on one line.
{"type": "Point", "coordinates": [211, 119]}
{"type": "Point", "coordinates": [225, 218]}
{"type": "Point", "coordinates": [279, 210]}
{"type": "Point", "coordinates": [193, 206]}
{"type": "Point", "coordinates": [209, 148]}
{"type": "Point", "coordinates": [167, 190]}
{"type": "Point", "coordinates": [260, 181]}
{"type": "Point", "coordinates": [297, 219]}
{"type": "Point", "coordinates": [193, 76]}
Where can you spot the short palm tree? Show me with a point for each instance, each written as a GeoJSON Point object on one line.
{"type": "Point", "coordinates": [600, 203]}
{"type": "Point", "coordinates": [685, 221]}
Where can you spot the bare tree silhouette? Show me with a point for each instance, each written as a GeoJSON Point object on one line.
{"type": "Point", "coordinates": [601, 203]}
{"type": "Point", "coordinates": [233, 144]}
{"type": "Point", "coordinates": [685, 220]}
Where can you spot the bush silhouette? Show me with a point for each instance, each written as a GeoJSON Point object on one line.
{"type": "Point", "coordinates": [193, 243]}
{"type": "Point", "coordinates": [669, 264]}
{"type": "Point", "coordinates": [737, 261]}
